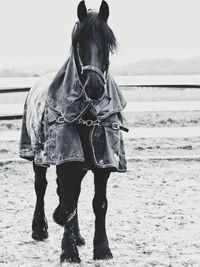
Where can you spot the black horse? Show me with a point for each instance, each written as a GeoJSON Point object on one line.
{"type": "Point", "coordinates": [96, 125]}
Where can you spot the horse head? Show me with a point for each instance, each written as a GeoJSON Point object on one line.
{"type": "Point", "coordinates": [92, 41]}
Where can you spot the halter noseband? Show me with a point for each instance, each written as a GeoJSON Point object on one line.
{"type": "Point", "coordinates": [94, 69]}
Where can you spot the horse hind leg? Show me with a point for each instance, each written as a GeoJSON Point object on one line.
{"type": "Point", "coordinates": [101, 246]}
{"type": "Point", "coordinates": [59, 215]}
{"type": "Point", "coordinates": [39, 222]}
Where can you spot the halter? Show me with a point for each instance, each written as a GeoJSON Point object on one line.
{"type": "Point", "coordinates": [81, 69]}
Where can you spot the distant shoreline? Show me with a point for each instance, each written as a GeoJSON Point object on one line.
{"type": "Point", "coordinates": [150, 67]}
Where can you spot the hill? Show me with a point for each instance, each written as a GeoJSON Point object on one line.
{"type": "Point", "coordinates": [158, 66]}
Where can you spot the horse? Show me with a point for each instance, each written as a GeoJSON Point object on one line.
{"type": "Point", "coordinates": [74, 120]}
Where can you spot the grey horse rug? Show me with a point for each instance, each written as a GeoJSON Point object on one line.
{"type": "Point", "coordinates": [52, 109]}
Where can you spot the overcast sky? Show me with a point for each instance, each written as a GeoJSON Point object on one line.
{"type": "Point", "coordinates": [38, 32]}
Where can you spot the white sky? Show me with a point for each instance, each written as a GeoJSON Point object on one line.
{"type": "Point", "coordinates": [38, 32]}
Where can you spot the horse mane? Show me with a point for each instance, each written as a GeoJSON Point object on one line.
{"type": "Point", "coordinates": [94, 25]}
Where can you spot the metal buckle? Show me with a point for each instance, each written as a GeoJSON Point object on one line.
{"type": "Point", "coordinates": [115, 126]}
{"type": "Point", "coordinates": [61, 119]}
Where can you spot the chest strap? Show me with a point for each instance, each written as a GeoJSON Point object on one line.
{"type": "Point", "coordinates": [111, 124]}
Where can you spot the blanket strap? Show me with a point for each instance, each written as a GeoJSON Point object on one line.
{"type": "Point", "coordinates": [111, 124]}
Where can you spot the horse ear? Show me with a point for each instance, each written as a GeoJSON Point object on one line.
{"type": "Point", "coordinates": [104, 10]}
{"type": "Point", "coordinates": [81, 11]}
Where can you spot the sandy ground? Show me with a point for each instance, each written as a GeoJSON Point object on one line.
{"type": "Point", "coordinates": [153, 217]}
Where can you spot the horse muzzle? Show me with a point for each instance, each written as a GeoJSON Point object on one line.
{"type": "Point", "coordinates": [94, 86]}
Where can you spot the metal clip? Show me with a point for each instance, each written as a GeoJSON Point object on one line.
{"type": "Point", "coordinates": [115, 126]}
{"type": "Point", "coordinates": [97, 123]}
{"type": "Point", "coordinates": [61, 119]}
{"type": "Point", "coordinates": [89, 123]}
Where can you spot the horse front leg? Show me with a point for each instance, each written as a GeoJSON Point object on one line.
{"type": "Point", "coordinates": [100, 204]}
{"type": "Point", "coordinates": [68, 174]}
{"type": "Point", "coordinates": [39, 222]}
{"type": "Point", "coordinates": [80, 241]}
{"type": "Point", "coordinates": [59, 215]}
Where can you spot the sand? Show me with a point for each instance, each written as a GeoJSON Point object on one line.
{"type": "Point", "coordinates": [153, 216]}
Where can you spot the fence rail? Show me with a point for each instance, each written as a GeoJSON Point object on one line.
{"type": "Point", "coordinates": [14, 111]}
{"type": "Point", "coordinates": [19, 84]}
{"type": "Point", "coordinates": [14, 90]}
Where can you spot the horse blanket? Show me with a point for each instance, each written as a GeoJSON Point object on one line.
{"type": "Point", "coordinates": [47, 142]}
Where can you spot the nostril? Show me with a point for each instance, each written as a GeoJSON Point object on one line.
{"type": "Point", "coordinates": [94, 92]}
{"type": "Point", "coordinates": [94, 87]}
{"type": "Point", "coordinates": [87, 91]}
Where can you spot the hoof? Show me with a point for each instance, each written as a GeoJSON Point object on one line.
{"type": "Point", "coordinates": [69, 258]}
{"type": "Point", "coordinates": [69, 249]}
{"type": "Point", "coordinates": [40, 236]}
{"type": "Point", "coordinates": [80, 241]}
{"type": "Point", "coordinates": [102, 253]}
{"type": "Point", "coordinates": [58, 216]}
{"type": "Point", "coordinates": [39, 227]}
